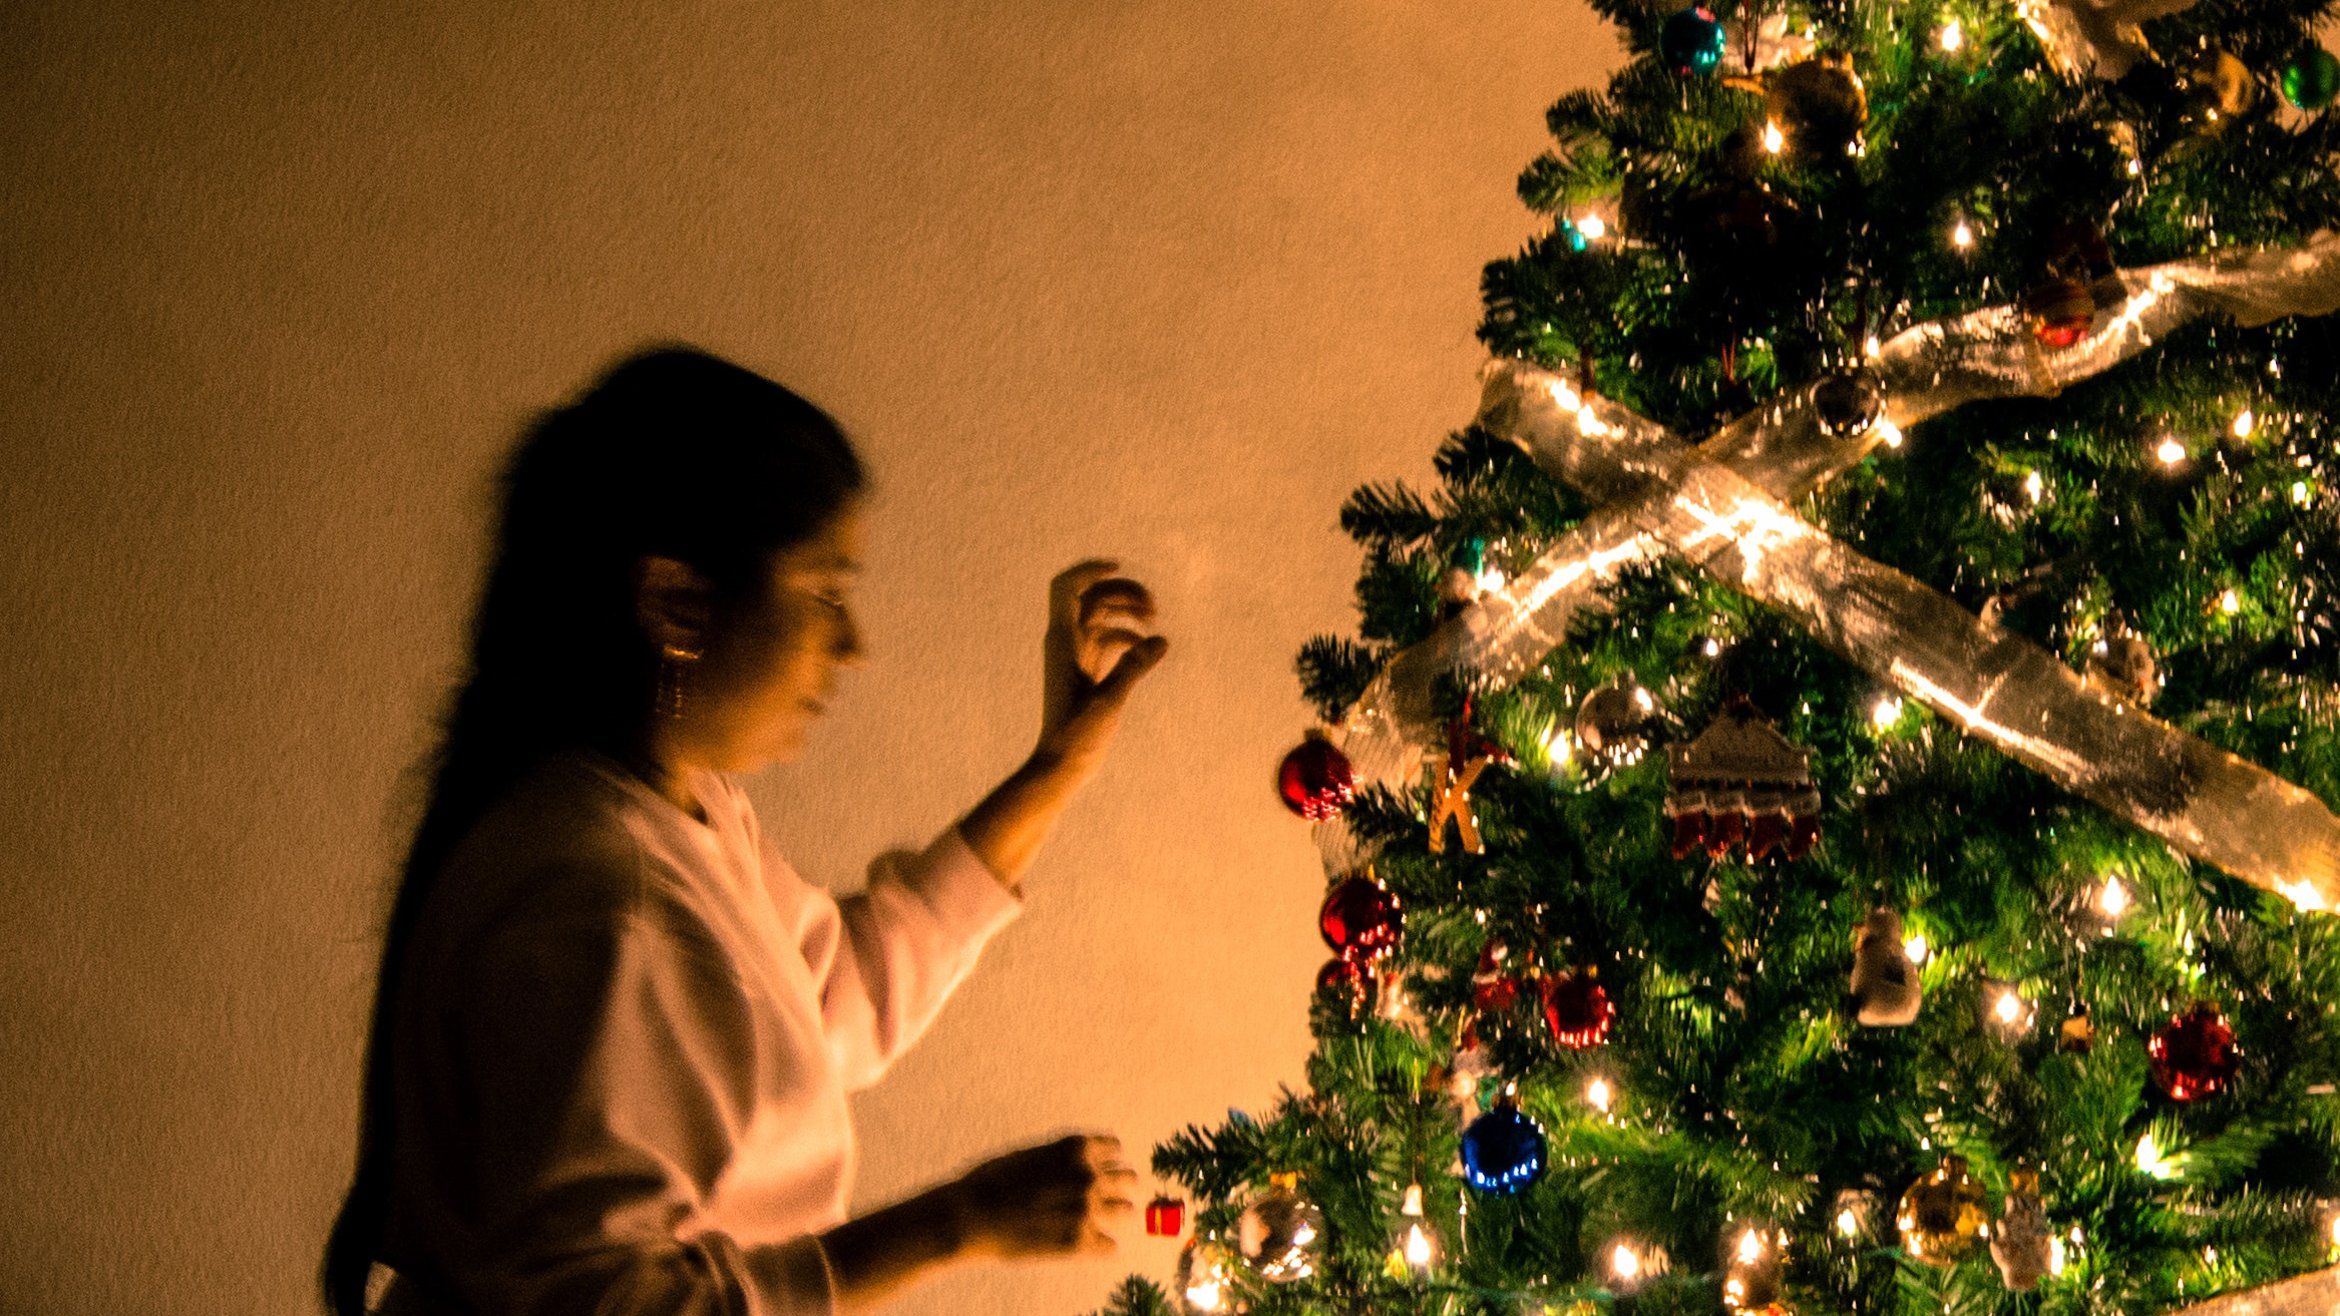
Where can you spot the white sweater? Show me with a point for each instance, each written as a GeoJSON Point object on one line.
{"type": "Point", "coordinates": [623, 1043]}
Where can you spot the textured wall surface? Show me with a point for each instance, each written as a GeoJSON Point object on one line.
{"type": "Point", "coordinates": [1155, 280]}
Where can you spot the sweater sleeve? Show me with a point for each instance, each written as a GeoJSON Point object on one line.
{"type": "Point", "coordinates": [911, 937]}
{"type": "Point", "coordinates": [613, 1057]}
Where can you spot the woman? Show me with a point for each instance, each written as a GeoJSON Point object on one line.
{"type": "Point", "coordinates": [614, 1033]}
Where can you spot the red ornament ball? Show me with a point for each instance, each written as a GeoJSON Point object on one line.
{"type": "Point", "coordinates": [1360, 919]}
{"type": "Point", "coordinates": [1347, 983]}
{"type": "Point", "coordinates": [1315, 780]}
{"type": "Point", "coordinates": [2194, 1056]}
{"type": "Point", "coordinates": [1578, 1009]}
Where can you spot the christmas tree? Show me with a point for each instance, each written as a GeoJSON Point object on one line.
{"type": "Point", "coordinates": [1827, 809]}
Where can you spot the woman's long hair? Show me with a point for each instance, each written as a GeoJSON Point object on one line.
{"type": "Point", "coordinates": [672, 453]}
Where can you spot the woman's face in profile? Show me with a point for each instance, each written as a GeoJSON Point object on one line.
{"type": "Point", "coordinates": [765, 679]}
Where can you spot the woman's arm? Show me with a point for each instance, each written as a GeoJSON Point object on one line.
{"type": "Point", "coordinates": [1096, 653]}
{"type": "Point", "coordinates": [1057, 1199]}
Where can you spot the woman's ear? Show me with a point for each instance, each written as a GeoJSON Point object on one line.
{"type": "Point", "coordinates": [674, 604]}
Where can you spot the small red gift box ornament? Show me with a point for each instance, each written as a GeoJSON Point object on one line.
{"type": "Point", "coordinates": [1166, 1217]}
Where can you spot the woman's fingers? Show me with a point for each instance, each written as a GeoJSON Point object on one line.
{"type": "Point", "coordinates": [1141, 658]}
{"type": "Point", "coordinates": [1116, 596]}
{"type": "Point", "coordinates": [1066, 591]}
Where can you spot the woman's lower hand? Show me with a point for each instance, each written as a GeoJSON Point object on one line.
{"type": "Point", "coordinates": [1099, 646]}
{"type": "Point", "coordinates": [1062, 1198]}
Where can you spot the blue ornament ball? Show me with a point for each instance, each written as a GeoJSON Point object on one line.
{"type": "Point", "coordinates": [1503, 1151]}
{"type": "Point", "coordinates": [1692, 41]}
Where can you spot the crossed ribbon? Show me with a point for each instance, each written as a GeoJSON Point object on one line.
{"type": "Point", "coordinates": [1726, 507]}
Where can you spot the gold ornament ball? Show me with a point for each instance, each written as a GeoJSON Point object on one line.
{"type": "Point", "coordinates": [1205, 1282]}
{"type": "Point", "coordinates": [1280, 1234]}
{"type": "Point", "coordinates": [1820, 103]}
{"type": "Point", "coordinates": [2219, 88]}
{"type": "Point", "coordinates": [1943, 1216]}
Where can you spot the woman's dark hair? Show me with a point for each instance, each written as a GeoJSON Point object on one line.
{"type": "Point", "coordinates": [672, 453]}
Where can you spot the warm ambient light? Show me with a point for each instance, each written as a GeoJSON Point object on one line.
{"type": "Point", "coordinates": [1750, 1248]}
{"type": "Point", "coordinates": [1489, 581]}
{"type": "Point", "coordinates": [1889, 432]}
{"type": "Point", "coordinates": [2114, 899]}
{"type": "Point", "coordinates": [2245, 423]}
{"type": "Point", "coordinates": [1598, 1096]}
{"type": "Point", "coordinates": [2171, 452]}
{"type": "Point", "coordinates": [1848, 1223]}
{"type": "Point", "coordinates": [2035, 485]}
{"type": "Point", "coordinates": [1915, 947]}
{"type": "Point", "coordinates": [2299, 492]}
{"type": "Point", "coordinates": [1593, 227]}
{"type": "Point", "coordinates": [1886, 713]}
{"type": "Point", "coordinates": [1962, 236]}
{"type": "Point", "coordinates": [1625, 1263]}
{"type": "Point", "coordinates": [2230, 603]}
{"type": "Point", "coordinates": [1952, 35]}
{"type": "Point", "coordinates": [1773, 138]}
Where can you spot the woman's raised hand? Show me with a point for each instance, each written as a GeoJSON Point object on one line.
{"type": "Point", "coordinates": [1060, 1198]}
{"type": "Point", "coordinates": [1100, 643]}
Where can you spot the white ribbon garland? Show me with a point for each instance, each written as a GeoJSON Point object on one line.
{"type": "Point", "coordinates": [1726, 507]}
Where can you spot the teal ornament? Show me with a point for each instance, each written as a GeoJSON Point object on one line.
{"type": "Point", "coordinates": [1567, 231]}
{"type": "Point", "coordinates": [1503, 1151]}
{"type": "Point", "coordinates": [2313, 80]}
{"type": "Point", "coordinates": [1692, 41]}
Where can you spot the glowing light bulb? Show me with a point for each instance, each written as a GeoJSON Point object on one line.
{"type": "Point", "coordinates": [2114, 899]}
{"type": "Point", "coordinates": [1872, 348]}
{"type": "Point", "coordinates": [1642, 697]}
{"type": "Point", "coordinates": [1556, 746]}
{"type": "Point", "coordinates": [2136, 166]}
{"type": "Point", "coordinates": [1597, 1094]}
{"type": "Point", "coordinates": [1848, 1223]}
{"type": "Point", "coordinates": [1563, 394]}
{"type": "Point", "coordinates": [2056, 1256]}
{"type": "Point", "coordinates": [2230, 603]}
{"type": "Point", "coordinates": [1890, 433]}
{"type": "Point", "coordinates": [1713, 648]}
{"type": "Point", "coordinates": [2299, 492]}
{"type": "Point", "coordinates": [2010, 1010]}
{"type": "Point", "coordinates": [2151, 1161]}
{"type": "Point", "coordinates": [1417, 1248]}
{"type": "Point", "coordinates": [2336, 1229]}
{"type": "Point", "coordinates": [2035, 485]}
{"type": "Point", "coordinates": [1773, 139]}
{"type": "Point", "coordinates": [1886, 713]}
{"type": "Point", "coordinates": [1915, 947]}
{"type": "Point", "coordinates": [2245, 422]}
{"type": "Point", "coordinates": [2171, 452]}
{"type": "Point", "coordinates": [1962, 235]}
{"type": "Point", "coordinates": [1952, 35]}
{"type": "Point", "coordinates": [1750, 1247]}
{"type": "Point", "coordinates": [1625, 1263]}
{"type": "Point", "coordinates": [1490, 580]}
{"type": "Point", "coordinates": [1592, 226]}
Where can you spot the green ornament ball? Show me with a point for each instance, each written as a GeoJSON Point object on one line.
{"type": "Point", "coordinates": [2313, 80]}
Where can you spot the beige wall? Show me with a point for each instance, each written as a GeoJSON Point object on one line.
{"type": "Point", "coordinates": [1144, 279]}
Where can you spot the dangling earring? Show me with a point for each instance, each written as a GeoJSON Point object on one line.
{"type": "Point", "coordinates": [673, 661]}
